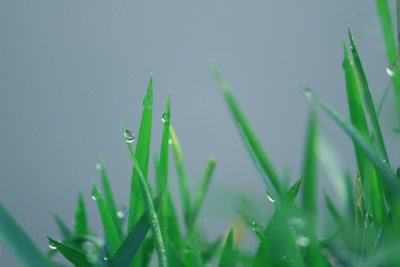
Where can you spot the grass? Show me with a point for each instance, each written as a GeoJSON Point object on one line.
{"type": "Point", "coordinates": [364, 231]}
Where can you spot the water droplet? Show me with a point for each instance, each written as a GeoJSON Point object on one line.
{"type": "Point", "coordinates": [170, 141]}
{"type": "Point", "coordinates": [307, 92]}
{"type": "Point", "coordinates": [391, 70]}
{"type": "Point", "coordinates": [302, 241]}
{"type": "Point", "coordinates": [98, 166]}
{"type": "Point", "coordinates": [269, 197]}
{"type": "Point", "coordinates": [368, 220]}
{"type": "Point", "coordinates": [52, 245]}
{"type": "Point", "coordinates": [105, 258]}
{"type": "Point", "coordinates": [297, 223]}
{"type": "Point", "coordinates": [165, 117]}
{"type": "Point", "coordinates": [120, 214]}
{"type": "Point", "coordinates": [129, 136]}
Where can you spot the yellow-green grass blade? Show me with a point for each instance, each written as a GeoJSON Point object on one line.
{"type": "Point", "coordinates": [391, 49]}
{"type": "Point", "coordinates": [383, 170]}
{"type": "Point", "coordinates": [201, 193]}
{"type": "Point", "coordinates": [294, 190]}
{"type": "Point", "coordinates": [369, 103]}
{"type": "Point", "coordinates": [81, 224]}
{"type": "Point", "coordinates": [152, 215]}
{"type": "Point", "coordinates": [136, 205]}
{"type": "Point", "coordinates": [109, 197]}
{"type": "Point", "coordinates": [133, 241]}
{"type": "Point", "coordinates": [62, 227]}
{"type": "Point", "coordinates": [19, 242]}
{"type": "Point", "coordinates": [113, 238]}
{"type": "Point", "coordinates": [75, 256]}
{"type": "Point", "coordinates": [310, 182]}
{"type": "Point", "coordinates": [182, 177]}
{"type": "Point", "coordinates": [253, 145]}
{"type": "Point", "coordinates": [227, 258]}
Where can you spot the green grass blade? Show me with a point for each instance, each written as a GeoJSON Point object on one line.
{"type": "Point", "coordinates": [133, 241]}
{"type": "Point", "coordinates": [164, 153]}
{"type": "Point", "coordinates": [109, 197]}
{"type": "Point", "coordinates": [205, 183]}
{"type": "Point", "coordinates": [384, 171]}
{"type": "Point", "coordinates": [310, 183]}
{"type": "Point", "coordinates": [19, 242]}
{"type": "Point", "coordinates": [136, 205]}
{"type": "Point", "coordinates": [369, 104]}
{"type": "Point", "coordinates": [81, 224]}
{"type": "Point", "coordinates": [294, 190]}
{"type": "Point", "coordinates": [153, 217]}
{"type": "Point", "coordinates": [75, 256]}
{"type": "Point", "coordinates": [182, 177]}
{"type": "Point", "coordinates": [62, 227]}
{"type": "Point", "coordinates": [333, 210]}
{"type": "Point", "coordinates": [113, 238]}
{"type": "Point", "coordinates": [227, 259]}
{"type": "Point", "coordinates": [253, 145]}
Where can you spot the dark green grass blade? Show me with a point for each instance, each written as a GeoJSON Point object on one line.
{"type": "Point", "coordinates": [294, 190]}
{"type": "Point", "coordinates": [81, 224]}
{"type": "Point", "coordinates": [254, 146]}
{"type": "Point", "coordinates": [136, 205]}
{"type": "Point", "coordinates": [152, 215]}
{"type": "Point", "coordinates": [62, 227]}
{"type": "Point", "coordinates": [205, 183]}
{"type": "Point", "coordinates": [310, 183]}
{"type": "Point", "coordinates": [369, 103]}
{"type": "Point", "coordinates": [391, 49]}
{"type": "Point", "coordinates": [113, 238]}
{"type": "Point", "coordinates": [109, 197]}
{"type": "Point", "coordinates": [384, 172]}
{"type": "Point", "coordinates": [227, 257]}
{"type": "Point", "coordinates": [19, 242]}
{"type": "Point", "coordinates": [135, 238]}
{"type": "Point", "coordinates": [182, 177]}
{"type": "Point", "coordinates": [75, 256]}
{"type": "Point", "coordinates": [148, 248]}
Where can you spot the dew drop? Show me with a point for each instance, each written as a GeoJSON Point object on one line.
{"type": "Point", "coordinates": [120, 214]}
{"type": "Point", "coordinates": [391, 70]}
{"type": "Point", "coordinates": [368, 220]}
{"type": "Point", "coordinates": [302, 241]}
{"type": "Point", "coordinates": [52, 245]}
{"type": "Point", "coordinates": [98, 166]}
{"type": "Point", "coordinates": [129, 136]}
{"type": "Point", "coordinates": [297, 223]}
{"type": "Point", "coordinates": [165, 117]}
{"type": "Point", "coordinates": [269, 197]}
{"type": "Point", "coordinates": [170, 141]}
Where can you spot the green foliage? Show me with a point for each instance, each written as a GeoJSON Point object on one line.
{"type": "Point", "coordinates": [362, 228]}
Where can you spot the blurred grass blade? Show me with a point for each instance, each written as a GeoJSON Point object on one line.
{"type": "Point", "coordinates": [135, 238]}
{"type": "Point", "coordinates": [254, 146]}
{"type": "Point", "coordinates": [62, 227]}
{"type": "Point", "coordinates": [152, 215]}
{"type": "Point", "coordinates": [75, 256]}
{"type": "Point", "coordinates": [369, 103]}
{"type": "Point", "coordinates": [19, 242]}
{"type": "Point", "coordinates": [310, 183]}
{"type": "Point", "coordinates": [384, 171]}
{"type": "Point", "coordinates": [227, 257]}
{"type": "Point", "coordinates": [113, 238]}
{"type": "Point", "coordinates": [333, 210]}
{"type": "Point", "coordinates": [205, 183]}
{"type": "Point", "coordinates": [136, 205]}
{"type": "Point", "coordinates": [81, 224]}
{"type": "Point", "coordinates": [109, 197]}
{"type": "Point", "coordinates": [294, 190]}
{"type": "Point", "coordinates": [182, 177]}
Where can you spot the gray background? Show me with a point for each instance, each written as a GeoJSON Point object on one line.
{"type": "Point", "coordinates": [71, 70]}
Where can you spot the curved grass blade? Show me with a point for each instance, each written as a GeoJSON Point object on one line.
{"type": "Point", "coordinates": [227, 257]}
{"type": "Point", "coordinates": [205, 183]}
{"type": "Point", "coordinates": [294, 190]}
{"type": "Point", "coordinates": [182, 177]}
{"type": "Point", "coordinates": [113, 238]}
{"type": "Point", "coordinates": [19, 242]}
{"type": "Point", "coordinates": [62, 227]}
{"type": "Point", "coordinates": [253, 145]}
{"type": "Point", "coordinates": [136, 205]}
{"type": "Point", "coordinates": [75, 256]}
{"type": "Point", "coordinates": [382, 168]}
{"type": "Point", "coordinates": [135, 238]}
{"type": "Point", "coordinates": [81, 224]}
{"type": "Point", "coordinates": [109, 197]}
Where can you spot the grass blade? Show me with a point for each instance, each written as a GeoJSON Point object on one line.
{"type": "Point", "coordinates": [81, 224]}
{"type": "Point", "coordinates": [19, 242]}
{"type": "Point", "coordinates": [382, 168]}
{"type": "Point", "coordinates": [135, 238]}
{"type": "Point", "coordinates": [109, 197]}
{"type": "Point", "coordinates": [227, 259]}
{"type": "Point", "coordinates": [164, 153]}
{"type": "Point", "coordinates": [113, 238]}
{"type": "Point", "coordinates": [205, 183]}
{"type": "Point", "coordinates": [253, 145]}
{"type": "Point", "coordinates": [294, 190]}
{"type": "Point", "coordinates": [136, 205]}
{"type": "Point", "coordinates": [182, 177]}
{"type": "Point", "coordinates": [62, 227]}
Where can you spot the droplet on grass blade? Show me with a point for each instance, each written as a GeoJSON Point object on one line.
{"type": "Point", "coordinates": [129, 136]}
{"type": "Point", "coordinates": [165, 117]}
{"type": "Point", "coordinates": [52, 245]}
{"type": "Point", "coordinates": [302, 241]}
{"type": "Point", "coordinates": [269, 197]}
{"type": "Point", "coordinates": [120, 214]}
{"type": "Point", "coordinates": [391, 70]}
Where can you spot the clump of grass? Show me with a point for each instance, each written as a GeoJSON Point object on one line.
{"type": "Point", "coordinates": [364, 232]}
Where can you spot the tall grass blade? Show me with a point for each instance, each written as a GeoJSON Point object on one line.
{"type": "Point", "coordinates": [254, 146]}
{"type": "Point", "coordinates": [19, 242]}
{"type": "Point", "coordinates": [62, 227]}
{"type": "Point", "coordinates": [113, 238]}
{"type": "Point", "coordinates": [81, 224]}
{"type": "Point", "coordinates": [227, 257]}
{"type": "Point", "coordinates": [182, 177]}
{"type": "Point", "coordinates": [205, 183]}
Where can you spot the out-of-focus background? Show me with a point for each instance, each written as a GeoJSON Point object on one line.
{"type": "Point", "coordinates": [71, 70]}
